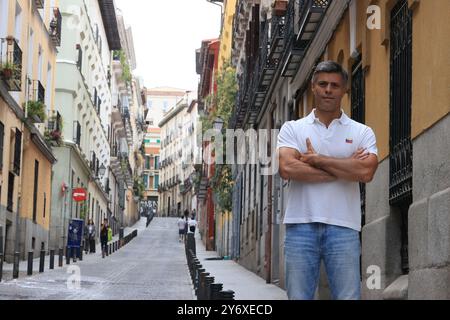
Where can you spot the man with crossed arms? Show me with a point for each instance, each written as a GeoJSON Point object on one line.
{"type": "Point", "coordinates": [325, 156]}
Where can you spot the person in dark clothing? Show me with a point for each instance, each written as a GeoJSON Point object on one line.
{"type": "Point", "coordinates": [186, 226]}
{"type": "Point", "coordinates": [104, 237]}
{"type": "Point", "coordinates": [90, 230]}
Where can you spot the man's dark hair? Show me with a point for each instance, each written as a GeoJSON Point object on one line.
{"type": "Point", "coordinates": [330, 67]}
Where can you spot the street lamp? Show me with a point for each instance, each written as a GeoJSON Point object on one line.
{"type": "Point", "coordinates": [101, 170]}
{"type": "Point", "coordinates": [218, 124]}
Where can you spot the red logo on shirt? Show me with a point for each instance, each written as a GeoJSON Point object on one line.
{"type": "Point", "coordinates": [349, 141]}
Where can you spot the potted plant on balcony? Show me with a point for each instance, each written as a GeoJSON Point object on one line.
{"type": "Point", "coordinates": [279, 7]}
{"type": "Point", "coordinates": [36, 111]}
{"type": "Point", "coordinates": [7, 70]}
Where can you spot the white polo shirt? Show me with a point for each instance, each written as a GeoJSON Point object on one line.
{"type": "Point", "coordinates": [338, 202]}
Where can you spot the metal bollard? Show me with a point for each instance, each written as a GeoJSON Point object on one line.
{"type": "Point", "coordinates": [202, 286]}
{"type": "Point", "coordinates": [191, 243]}
{"type": "Point", "coordinates": [16, 265]}
{"type": "Point", "coordinates": [208, 282]}
{"type": "Point", "coordinates": [1, 266]}
{"type": "Point", "coordinates": [30, 264]}
{"type": "Point", "coordinates": [42, 261]}
{"type": "Point", "coordinates": [197, 280]}
{"type": "Point", "coordinates": [68, 255]}
{"type": "Point", "coordinates": [81, 254]}
{"type": "Point", "coordinates": [110, 248]}
{"type": "Point", "coordinates": [61, 257]}
{"type": "Point", "coordinates": [226, 295]}
{"type": "Point", "coordinates": [215, 289]}
{"type": "Point", "coordinates": [52, 259]}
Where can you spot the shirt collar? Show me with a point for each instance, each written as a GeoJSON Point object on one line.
{"type": "Point", "coordinates": [344, 119]}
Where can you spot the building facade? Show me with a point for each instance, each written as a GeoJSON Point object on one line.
{"type": "Point", "coordinates": [84, 102]}
{"type": "Point", "coordinates": [406, 207]}
{"type": "Point", "coordinates": [171, 198]}
{"type": "Point", "coordinates": [207, 63]}
{"type": "Point", "coordinates": [30, 34]}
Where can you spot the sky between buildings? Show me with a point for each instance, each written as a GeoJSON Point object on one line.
{"type": "Point", "coordinates": [166, 34]}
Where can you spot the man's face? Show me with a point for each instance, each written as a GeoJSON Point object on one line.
{"type": "Point", "coordinates": [328, 89]}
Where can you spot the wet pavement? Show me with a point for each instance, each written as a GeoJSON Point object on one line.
{"type": "Point", "coordinates": [151, 267]}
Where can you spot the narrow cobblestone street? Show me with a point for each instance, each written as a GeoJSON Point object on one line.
{"type": "Point", "coordinates": [152, 266]}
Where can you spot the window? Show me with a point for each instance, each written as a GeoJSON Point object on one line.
{"type": "Point", "coordinates": [146, 181]}
{"type": "Point", "coordinates": [156, 181]}
{"type": "Point", "coordinates": [149, 103]}
{"type": "Point", "coordinates": [35, 190]}
{"type": "Point", "coordinates": [77, 133]}
{"type": "Point", "coordinates": [9, 205]}
{"type": "Point", "coordinates": [45, 203]}
{"type": "Point", "coordinates": [401, 149]}
{"type": "Point", "coordinates": [80, 58]}
{"type": "Point", "coordinates": [165, 106]}
{"type": "Point", "coordinates": [2, 136]}
{"type": "Point", "coordinates": [17, 152]}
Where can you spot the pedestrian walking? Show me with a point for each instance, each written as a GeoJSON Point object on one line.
{"type": "Point", "coordinates": [104, 237]}
{"type": "Point", "coordinates": [91, 236]}
{"type": "Point", "coordinates": [325, 156]}
{"type": "Point", "coordinates": [192, 223]}
{"type": "Point", "coordinates": [86, 239]}
{"type": "Point", "coordinates": [181, 229]}
{"type": "Point", "coordinates": [186, 226]}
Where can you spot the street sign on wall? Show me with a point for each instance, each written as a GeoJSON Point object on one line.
{"type": "Point", "coordinates": [79, 195]}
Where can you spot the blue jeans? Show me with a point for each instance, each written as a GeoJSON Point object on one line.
{"type": "Point", "coordinates": [306, 245]}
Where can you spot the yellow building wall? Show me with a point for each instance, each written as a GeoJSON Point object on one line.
{"type": "Point", "coordinates": [10, 122]}
{"type": "Point", "coordinates": [431, 64]}
{"type": "Point", "coordinates": [41, 38]}
{"type": "Point", "coordinates": [431, 74]}
{"type": "Point", "coordinates": [31, 153]}
{"type": "Point", "coordinates": [227, 32]}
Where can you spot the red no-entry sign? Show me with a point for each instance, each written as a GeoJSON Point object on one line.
{"type": "Point", "coordinates": [79, 195]}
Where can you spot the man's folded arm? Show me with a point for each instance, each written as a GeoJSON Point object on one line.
{"type": "Point", "coordinates": [350, 169]}
{"type": "Point", "coordinates": [292, 168]}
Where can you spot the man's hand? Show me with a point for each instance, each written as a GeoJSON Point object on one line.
{"type": "Point", "coordinates": [361, 154]}
{"type": "Point", "coordinates": [311, 157]}
{"type": "Point", "coordinates": [360, 167]}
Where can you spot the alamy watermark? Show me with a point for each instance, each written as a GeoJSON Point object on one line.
{"type": "Point", "coordinates": [238, 147]}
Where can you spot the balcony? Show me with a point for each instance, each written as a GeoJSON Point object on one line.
{"type": "Point", "coordinates": [55, 27]}
{"type": "Point", "coordinates": [39, 4]}
{"type": "Point", "coordinates": [118, 125]}
{"type": "Point", "coordinates": [300, 31]}
{"type": "Point", "coordinates": [310, 18]}
{"type": "Point", "coordinates": [115, 164]}
{"type": "Point", "coordinates": [11, 64]}
{"type": "Point", "coordinates": [293, 53]}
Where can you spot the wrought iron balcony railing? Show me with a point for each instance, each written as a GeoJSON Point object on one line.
{"type": "Point", "coordinates": [310, 17]}
{"type": "Point", "coordinates": [11, 63]}
{"type": "Point", "coordinates": [39, 4]}
{"type": "Point", "coordinates": [292, 52]}
{"type": "Point", "coordinates": [56, 27]}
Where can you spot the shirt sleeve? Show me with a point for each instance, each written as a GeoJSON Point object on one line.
{"type": "Point", "coordinates": [369, 141]}
{"type": "Point", "coordinates": [286, 138]}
